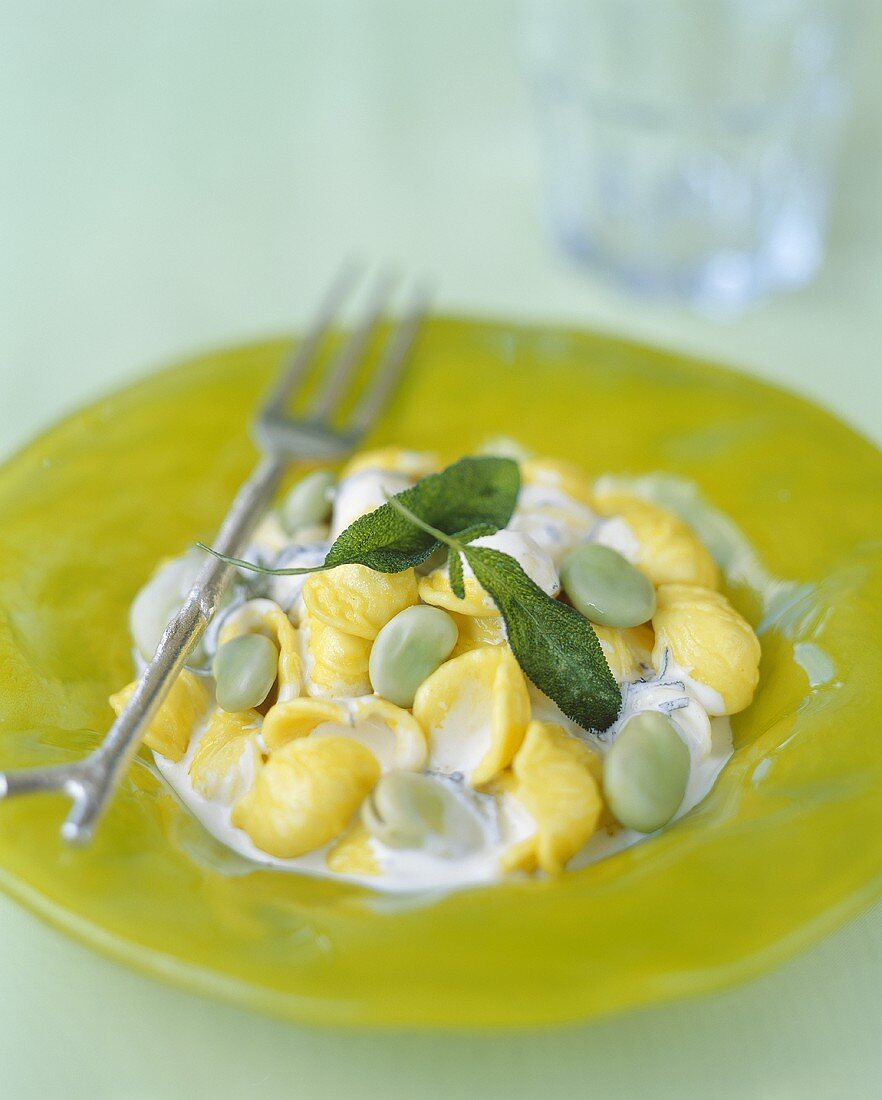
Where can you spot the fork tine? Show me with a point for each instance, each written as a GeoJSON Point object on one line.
{"type": "Point", "coordinates": [389, 372]}
{"type": "Point", "coordinates": [32, 780]}
{"type": "Point", "coordinates": [350, 355]}
{"type": "Point", "coordinates": [304, 352]}
{"type": "Point", "coordinates": [79, 824]}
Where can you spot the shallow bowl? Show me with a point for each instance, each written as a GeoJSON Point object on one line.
{"type": "Point", "coordinates": [787, 845]}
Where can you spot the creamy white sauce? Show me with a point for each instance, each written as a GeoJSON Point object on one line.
{"type": "Point", "coordinates": [670, 693]}
{"type": "Point", "coordinates": [364, 492]}
{"type": "Point", "coordinates": [215, 817]}
{"type": "Point", "coordinates": [553, 520]}
{"type": "Point", "coordinates": [402, 870]}
{"type": "Point", "coordinates": [406, 869]}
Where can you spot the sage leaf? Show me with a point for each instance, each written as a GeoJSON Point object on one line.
{"type": "Point", "coordinates": [472, 497]}
{"type": "Point", "coordinates": [473, 492]}
{"type": "Point", "coordinates": [454, 571]}
{"type": "Point", "coordinates": [554, 645]}
{"type": "Point", "coordinates": [454, 560]}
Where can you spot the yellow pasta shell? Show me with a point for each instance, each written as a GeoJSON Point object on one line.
{"type": "Point", "coordinates": [298, 718]}
{"type": "Point", "coordinates": [169, 732]}
{"type": "Point", "coordinates": [709, 640]}
{"type": "Point", "coordinates": [405, 747]}
{"type": "Point", "coordinates": [358, 600]}
{"type": "Point", "coordinates": [306, 794]}
{"type": "Point", "coordinates": [352, 854]}
{"type": "Point", "coordinates": [557, 473]}
{"type": "Point", "coordinates": [476, 631]}
{"type": "Point", "coordinates": [398, 460]}
{"type": "Point", "coordinates": [435, 589]}
{"type": "Point", "coordinates": [481, 692]}
{"type": "Point", "coordinates": [669, 550]}
{"type": "Point", "coordinates": [555, 778]}
{"type": "Point", "coordinates": [228, 756]}
{"type": "Point", "coordinates": [335, 663]}
{"type": "Point", "coordinates": [624, 649]}
{"type": "Point", "coordinates": [389, 732]}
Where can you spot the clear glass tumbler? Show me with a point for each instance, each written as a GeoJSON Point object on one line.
{"type": "Point", "coordinates": [690, 144]}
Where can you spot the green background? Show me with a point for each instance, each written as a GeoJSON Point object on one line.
{"type": "Point", "coordinates": [180, 175]}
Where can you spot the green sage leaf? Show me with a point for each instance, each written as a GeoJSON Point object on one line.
{"type": "Point", "coordinates": [470, 498]}
{"type": "Point", "coordinates": [454, 571]}
{"type": "Point", "coordinates": [554, 645]}
{"type": "Point", "coordinates": [472, 493]}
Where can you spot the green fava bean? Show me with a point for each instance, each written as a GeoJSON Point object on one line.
{"type": "Point", "coordinates": [309, 501]}
{"type": "Point", "coordinates": [408, 649]}
{"type": "Point", "coordinates": [245, 671]}
{"type": "Point", "coordinates": [409, 810]}
{"type": "Point", "coordinates": [162, 597]}
{"type": "Point", "coordinates": [645, 772]}
{"type": "Point", "coordinates": [606, 588]}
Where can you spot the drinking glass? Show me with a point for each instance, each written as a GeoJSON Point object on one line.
{"type": "Point", "coordinates": [690, 144]}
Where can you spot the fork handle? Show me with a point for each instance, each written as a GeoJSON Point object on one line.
{"type": "Point", "coordinates": [111, 758]}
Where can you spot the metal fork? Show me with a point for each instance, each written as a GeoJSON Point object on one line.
{"type": "Point", "coordinates": [282, 438]}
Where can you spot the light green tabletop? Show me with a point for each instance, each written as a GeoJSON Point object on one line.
{"type": "Point", "coordinates": [179, 176]}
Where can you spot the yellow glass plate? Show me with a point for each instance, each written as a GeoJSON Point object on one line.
{"type": "Point", "coordinates": [787, 845]}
